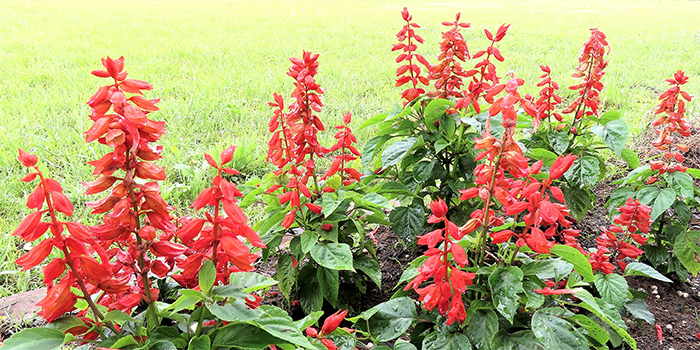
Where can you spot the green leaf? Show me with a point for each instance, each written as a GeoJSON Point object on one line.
{"type": "Point", "coordinates": [614, 133]}
{"type": "Point", "coordinates": [371, 148]}
{"type": "Point", "coordinates": [540, 153]}
{"type": "Point", "coordinates": [641, 269]}
{"type": "Point", "coordinates": [310, 295]}
{"type": "Point", "coordinates": [207, 276]}
{"type": "Point", "coordinates": [370, 267]}
{"type": "Point", "coordinates": [118, 317]}
{"type": "Point", "coordinates": [656, 254]}
{"type": "Point", "coordinates": [647, 195]}
{"type": "Point", "coordinates": [170, 338]}
{"type": "Point", "coordinates": [35, 339]}
{"type": "Point", "coordinates": [682, 183]}
{"type": "Point", "coordinates": [446, 341]}
{"type": "Point", "coordinates": [329, 281]}
{"type": "Point", "coordinates": [555, 332]}
{"type": "Point", "coordinates": [278, 323]}
{"type": "Point", "coordinates": [693, 172]}
{"type": "Point", "coordinates": [378, 200]}
{"type": "Point", "coordinates": [308, 320]}
{"type": "Point", "coordinates": [506, 283]}
{"type": "Point", "coordinates": [243, 335]}
{"type": "Point", "coordinates": [308, 240]}
{"type": "Point", "coordinates": [664, 201]}
{"type": "Point", "coordinates": [612, 287]}
{"type": "Point", "coordinates": [124, 341]}
{"type": "Point", "coordinates": [578, 200]}
{"type": "Point", "coordinates": [639, 309]}
{"type": "Point", "coordinates": [639, 173]}
{"type": "Point", "coordinates": [593, 330]}
{"type": "Point", "coordinates": [65, 323]}
{"type": "Point", "coordinates": [234, 312]}
{"type": "Point", "coordinates": [482, 326]}
{"type": "Point", "coordinates": [422, 170]}
{"type": "Point", "coordinates": [434, 110]}
{"type": "Point", "coordinates": [584, 172]}
{"type": "Point", "coordinates": [572, 255]}
{"type": "Point", "coordinates": [521, 340]}
{"type": "Point", "coordinates": [336, 256]}
{"type": "Point", "coordinates": [619, 197]}
{"type": "Point", "coordinates": [630, 157]}
{"type": "Point", "coordinates": [374, 120]}
{"type": "Point", "coordinates": [440, 145]}
{"type": "Point", "coordinates": [396, 151]}
{"type": "Point", "coordinates": [407, 222]}
{"type": "Point", "coordinates": [392, 319]}
{"type": "Point", "coordinates": [286, 274]}
{"type": "Point", "coordinates": [330, 203]}
{"type": "Point", "coordinates": [201, 342]}
{"type": "Point", "coordinates": [401, 344]}
{"type": "Point", "coordinates": [187, 300]}
{"type": "Point", "coordinates": [559, 141]}
{"type": "Point", "coordinates": [609, 116]}
{"type": "Point", "coordinates": [249, 281]}
{"type": "Point", "coordinates": [687, 250]}
{"type": "Point", "coordinates": [682, 211]}
{"type": "Point", "coordinates": [534, 299]}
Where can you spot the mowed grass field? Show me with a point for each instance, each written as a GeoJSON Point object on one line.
{"type": "Point", "coordinates": [215, 65]}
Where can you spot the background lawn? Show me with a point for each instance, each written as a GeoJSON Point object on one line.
{"type": "Point", "coordinates": [216, 64]}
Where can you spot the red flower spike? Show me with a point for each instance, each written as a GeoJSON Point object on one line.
{"type": "Point", "coordinates": [448, 74]}
{"type": "Point", "coordinates": [591, 66]}
{"type": "Point", "coordinates": [27, 159]}
{"type": "Point", "coordinates": [409, 71]}
{"type": "Point", "coordinates": [332, 322]}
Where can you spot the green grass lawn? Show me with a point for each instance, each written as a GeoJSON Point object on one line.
{"type": "Point", "coordinates": [216, 64]}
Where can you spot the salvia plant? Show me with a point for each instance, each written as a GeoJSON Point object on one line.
{"type": "Point", "coordinates": [487, 180]}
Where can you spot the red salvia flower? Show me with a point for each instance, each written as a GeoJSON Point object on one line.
{"type": "Point", "coordinates": [484, 73]}
{"type": "Point", "coordinates": [447, 74]}
{"type": "Point", "coordinates": [672, 125]}
{"type": "Point", "coordinates": [590, 68]}
{"type": "Point", "coordinates": [348, 153]}
{"type": "Point", "coordinates": [410, 71]}
{"type": "Point", "coordinates": [548, 99]}
{"type": "Point", "coordinates": [449, 282]}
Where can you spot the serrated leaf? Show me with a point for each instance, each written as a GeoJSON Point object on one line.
{"type": "Point", "coordinates": [580, 262]}
{"type": "Point", "coordinates": [207, 276]}
{"type": "Point", "coordinates": [554, 332]}
{"type": "Point", "coordinates": [310, 295]}
{"type": "Point", "coordinates": [614, 133]}
{"type": "Point", "coordinates": [612, 287]}
{"type": "Point", "coordinates": [371, 148]}
{"type": "Point", "coordinates": [329, 281]}
{"type": "Point", "coordinates": [540, 153]}
{"type": "Point", "coordinates": [250, 281]}
{"type": "Point", "coordinates": [370, 267]}
{"type": "Point", "coordinates": [578, 200]}
{"type": "Point", "coordinates": [506, 283]}
{"type": "Point", "coordinates": [647, 195]}
{"type": "Point", "coordinates": [641, 269]}
{"type": "Point", "coordinates": [277, 322]}
{"type": "Point", "coordinates": [308, 240]}
{"type": "Point", "coordinates": [286, 274]}
{"type": "Point", "coordinates": [521, 340]}
{"type": "Point", "coordinates": [407, 222]}
{"type": "Point", "coordinates": [434, 110]}
{"type": "Point", "coordinates": [308, 320]}
{"type": "Point", "coordinates": [630, 157]}
{"type": "Point", "coordinates": [682, 183]}
{"type": "Point", "coordinates": [639, 309]}
{"type": "Point", "coordinates": [201, 342]}
{"type": "Point", "coordinates": [422, 170]}
{"type": "Point", "coordinates": [446, 341]}
{"type": "Point", "coordinates": [336, 256]}
{"type": "Point", "coordinates": [396, 151]}
{"type": "Point", "coordinates": [687, 250]}
{"type": "Point", "coordinates": [34, 339]}
{"type": "Point", "coordinates": [378, 200]}
{"type": "Point", "coordinates": [664, 201]}
{"type": "Point", "coordinates": [482, 326]}
{"type": "Point", "coordinates": [593, 330]}
{"type": "Point", "coordinates": [584, 172]}
{"type": "Point", "coordinates": [392, 319]}
{"type": "Point", "coordinates": [559, 141]}
{"type": "Point", "coordinates": [187, 300]}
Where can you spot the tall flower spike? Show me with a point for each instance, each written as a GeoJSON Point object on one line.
{"type": "Point", "coordinates": [484, 73]}
{"type": "Point", "coordinates": [672, 125]}
{"type": "Point", "coordinates": [591, 64]}
{"type": "Point", "coordinates": [136, 215]}
{"type": "Point", "coordinates": [410, 71]}
{"type": "Point", "coordinates": [448, 74]}
{"type": "Point", "coordinates": [348, 153]}
{"type": "Point", "coordinates": [548, 99]}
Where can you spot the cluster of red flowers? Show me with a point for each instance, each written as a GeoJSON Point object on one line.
{"type": "Point", "coordinates": [220, 241]}
{"type": "Point", "coordinates": [449, 282]}
{"type": "Point", "coordinates": [617, 243]}
{"type": "Point", "coordinates": [548, 99]}
{"type": "Point", "coordinates": [410, 72]}
{"type": "Point", "coordinates": [484, 73]}
{"type": "Point", "coordinates": [448, 73]}
{"type": "Point", "coordinates": [294, 143]}
{"type": "Point", "coordinates": [73, 244]}
{"type": "Point", "coordinates": [329, 325]}
{"type": "Point", "coordinates": [672, 122]}
{"type": "Point", "coordinates": [521, 192]}
{"type": "Point", "coordinates": [135, 208]}
{"type": "Point", "coordinates": [348, 153]}
{"type": "Point", "coordinates": [591, 64]}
